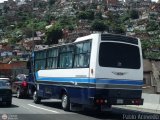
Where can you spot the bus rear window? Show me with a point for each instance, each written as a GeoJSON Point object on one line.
{"type": "Point", "coordinates": [119, 55]}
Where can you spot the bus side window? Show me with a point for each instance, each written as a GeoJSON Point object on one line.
{"type": "Point", "coordinates": [86, 50]}
{"type": "Point", "coordinates": [40, 60]}
{"type": "Point", "coordinates": [52, 58]}
{"type": "Point", "coordinates": [66, 56]}
{"type": "Point", "coordinates": [82, 54]}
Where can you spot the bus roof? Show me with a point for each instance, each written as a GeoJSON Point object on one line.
{"type": "Point", "coordinates": [79, 39]}
{"type": "Point", "coordinates": [85, 37]}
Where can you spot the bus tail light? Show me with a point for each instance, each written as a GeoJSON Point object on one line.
{"type": "Point", "coordinates": [136, 102]}
{"type": "Point", "coordinates": [97, 101]}
{"type": "Point", "coordinates": [100, 101]}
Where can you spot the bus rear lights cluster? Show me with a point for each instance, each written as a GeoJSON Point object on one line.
{"type": "Point", "coordinates": [136, 102]}
{"type": "Point", "coordinates": [101, 101]}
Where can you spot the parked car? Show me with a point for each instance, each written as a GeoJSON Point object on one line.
{"type": "Point", "coordinates": [6, 79]}
{"type": "Point", "coordinates": [23, 86]}
{"type": "Point", "coordinates": [5, 92]}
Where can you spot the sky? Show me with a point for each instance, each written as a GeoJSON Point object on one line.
{"type": "Point", "coordinates": [6, 0]}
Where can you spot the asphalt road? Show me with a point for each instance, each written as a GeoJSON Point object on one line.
{"type": "Point", "coordinates": [25, 109]}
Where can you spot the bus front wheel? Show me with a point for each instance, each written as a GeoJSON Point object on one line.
{"type": "Point", "coordinates": [65, 102]}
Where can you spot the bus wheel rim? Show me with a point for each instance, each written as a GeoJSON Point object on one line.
{"type": "Point", "coordinates": [64, 101]}
{"type": "Point", "coordinates": [34, 96]}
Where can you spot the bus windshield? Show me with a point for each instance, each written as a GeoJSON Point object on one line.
{"type": "Point", "coordinates": [119, 55]}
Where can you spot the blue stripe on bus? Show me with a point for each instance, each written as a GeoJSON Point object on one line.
{"type": "Point", "coordinates": [81, 80]}
{"type": "Point", "coordinates": [91, 80]}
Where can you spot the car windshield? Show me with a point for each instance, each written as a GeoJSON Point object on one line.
{"type": "Point", "coordinates": [21, 77]}
{"type": "Point", "coordinates": [4, 83]}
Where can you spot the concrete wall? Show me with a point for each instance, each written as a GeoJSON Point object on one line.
{"type": "Point", "coordinates": [151, 76]}
{"type": "Point", "coordinates": [151, 101]}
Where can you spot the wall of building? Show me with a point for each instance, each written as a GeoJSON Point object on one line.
{"type": "Point", "coordinates": [13, 69]}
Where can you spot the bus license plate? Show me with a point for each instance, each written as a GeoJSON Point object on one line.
{"type": "Point", "coordinates": [120, 101]}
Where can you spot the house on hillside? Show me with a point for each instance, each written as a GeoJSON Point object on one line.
{"type": "Point", "coordinates": [12, 68]}
{"type": "Point", "coordinates": [29, 43]}
{"type": "Point", "coordinates": [151, 76]}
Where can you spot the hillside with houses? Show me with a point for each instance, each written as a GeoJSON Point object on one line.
{"type": "Point", "coordinates": [27, 25]}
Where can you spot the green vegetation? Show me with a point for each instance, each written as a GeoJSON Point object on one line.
{"type": "Point", "coordinates": [152, 26]}
{"type": "Point", "coordinates": [26, 23]}
{"type": "Point", "coordinates": [89, 14]}
{"type": "Point", "coordinates": [53, 34]}
{"type": "Point", "coordinates": [98, 26]}
{"type": "Point", "coordinates": [150, 48]}
{"type": "Point", "coordinates": [134, 14]}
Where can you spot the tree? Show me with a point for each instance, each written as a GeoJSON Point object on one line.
{"type": "Point", "coordinates": [98, 15]}
{"type": "Point", "coordinates": [70, 27]}
{"type": "Point", "coordinates": [152, 25]}
{"type": "Point", "coordinates": [53, 34]}
{"type": "Point", "coordinates": [82, 15]}
{"type": "Point", "coordinates": [89, 14]}
{"type": "Point", "coordinates": [93, 6]}
{"type": "Point", "coordinates": [118, 29]}
{"type": "Point", "coordinates": [98, 25]}
{"type": "Point", "coordinates": [28, 32]}
{"type": "Point", "coordinates": [6, 8]}
{"type": "Point", "coordinates": [149, 46]}
{"type": "Point", "coordinates": [125, 17]}
{"type": "Point", "coordinates": [40, 25]}
{"type": "Point", "coordinates": [153, 16]}
{"type": "Point", "coordinates": [13, 40]}
{"type": "Point", "coordinates": [51, 2]}
{"type": "Point", "coordinates": [134, 14]}
{"type": "Point", "coordinates": [64, 20]}
{"type": "Point", "coordinates": [82, 7]}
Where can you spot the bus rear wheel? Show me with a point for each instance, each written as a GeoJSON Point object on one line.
{"type": "Point", "coordinates": [36, 99]}
{"type": "Point", "coordinates": [65, 102]}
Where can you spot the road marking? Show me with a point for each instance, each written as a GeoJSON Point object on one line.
{"type": "Point", "coordinates": [43, 108]}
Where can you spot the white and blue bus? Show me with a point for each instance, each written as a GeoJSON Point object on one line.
{"type": "Point", "coordinates": [97, 70]}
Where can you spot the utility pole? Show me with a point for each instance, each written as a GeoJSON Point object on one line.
{"type": "Point", "coordinates": [33, 26]}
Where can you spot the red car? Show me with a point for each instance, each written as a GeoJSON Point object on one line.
{"type": "Point", "coordinates": [23, 86]}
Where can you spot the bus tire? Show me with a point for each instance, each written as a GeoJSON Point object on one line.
{"type": "Point", "coordinates": [36, 99]}
{"type": "Point", "coordinates": [65, 102]}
